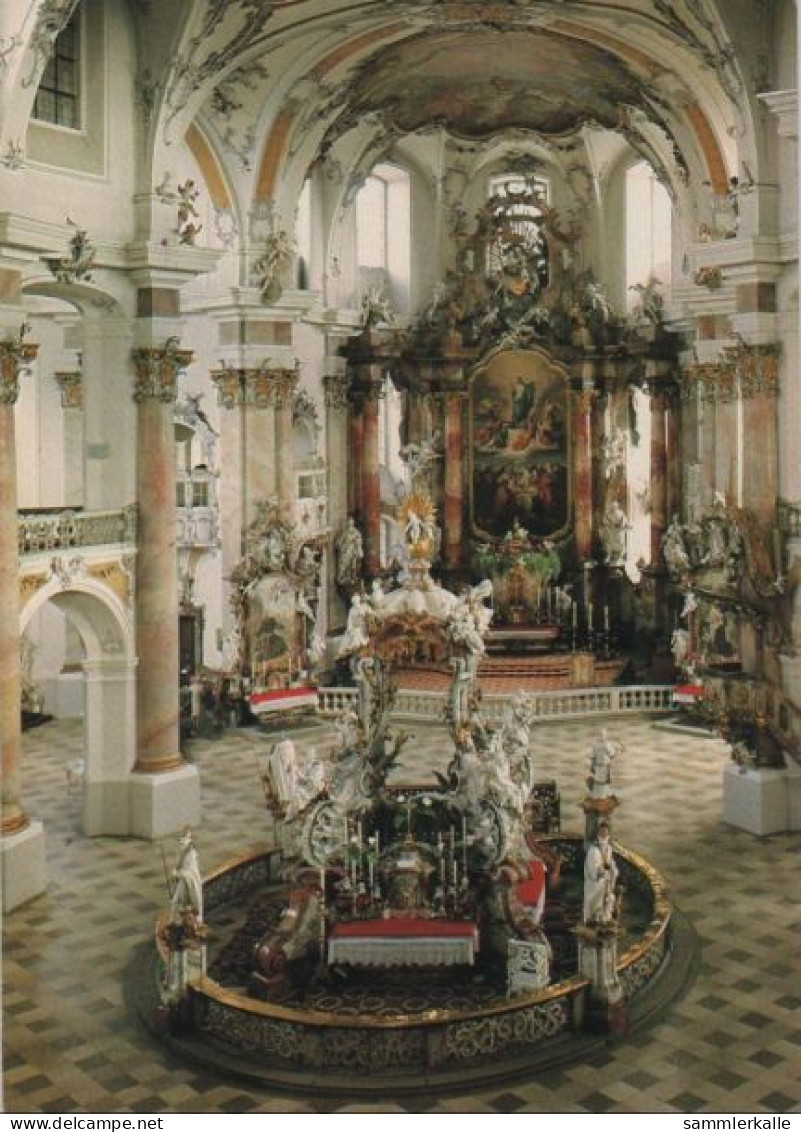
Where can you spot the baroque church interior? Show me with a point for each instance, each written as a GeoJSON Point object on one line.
{"type": "Point", "coordinates": [399, 409]}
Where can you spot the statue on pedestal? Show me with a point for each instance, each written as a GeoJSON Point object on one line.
{"type": "Point", "coordinates": [350, 554]}
{"type": "Point", "coordinates": [614, 528]}
{"type": "Point", "coordinates": [604, 750]}
{"type": "Point", "coordinates": [600, 878]}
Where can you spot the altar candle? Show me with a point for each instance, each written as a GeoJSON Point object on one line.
{"type": "Point", "coordinates": [464, 843]}
{"type": "Point", "coordinates": [575, 615]}
{"type": "Point", "coordinates": [606, 618]}
{"type": "Point", "coordinates": [370, 871]}
{"type": "Point", "coordinates": [589, 616]}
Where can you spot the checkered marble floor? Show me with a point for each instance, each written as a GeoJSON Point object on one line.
{"type": "Point", "coordinates": [732, 1044]}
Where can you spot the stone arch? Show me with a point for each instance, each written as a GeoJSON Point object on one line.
{"type": "Point", "coordinates": [106, 631]}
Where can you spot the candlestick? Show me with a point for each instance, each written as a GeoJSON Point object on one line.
{"type": "Point", "coordinates": [589, 616]}
{"type": "Point", "coordinates": [464, 844]}
{"type": "Point", "coordinates": [606, 618]}
{"type": "Point", "coordinates": [575, 615]}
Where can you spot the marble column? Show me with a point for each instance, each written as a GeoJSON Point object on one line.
{"type": "Point", "coordinates": [371, 480]}
{"type": "Point", "coordinates": [285, 384]}
{"type": "Point", "coordinates": [230, 395]}
{"type": "Point", "coordinates": [760, 461]}
{"type": "Point", "coordinates": [157, 644]}
{"type": "Point", "coordinates": [15, 353]}
{"type": "Point", "coordinates": [70, 384]}
{"type": "Point", "coordinates": [356, 477]}
{"type": "Point", "coordinates": [259, 470]}
{"type": "Point", "coordinates": [659, 473]}
{"type": "Point", "coordinates": [583, 501]}
{"type": "Point", "coordinates": [336, 438]}
{"type": "Point", "coordinates": [452, 534]}
{"type": "Point", "coordinates": [674, 455]}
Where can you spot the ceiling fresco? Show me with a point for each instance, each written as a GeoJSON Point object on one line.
{"type": "Point", "coordinates": [479, 83]}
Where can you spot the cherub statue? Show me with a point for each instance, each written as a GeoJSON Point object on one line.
{"type": "Point", "coordinates": [651, 307]}
{"type": "Point", "coordinates": [376, 308]}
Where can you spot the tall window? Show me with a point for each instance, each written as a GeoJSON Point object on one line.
{"type": "Point", "coordinates": [649, 215]}
{"type": "Point", "coordinates": [303, 236]}
{"type": "Point", "coordinates": [383, 234]}
{"type": "Point", "coordinates": [58, 99]}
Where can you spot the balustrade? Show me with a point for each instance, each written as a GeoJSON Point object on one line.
{"type": "Point", "coordinates": [573, 703]}
{"type": "Point", "coordinates": [64, 529]}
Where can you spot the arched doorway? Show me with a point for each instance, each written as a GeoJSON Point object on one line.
{"type": "Point", "coordinates": [109, 665]}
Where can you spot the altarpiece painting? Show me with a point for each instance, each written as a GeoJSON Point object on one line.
{"type": "Point", "coordinates": [520, 446]}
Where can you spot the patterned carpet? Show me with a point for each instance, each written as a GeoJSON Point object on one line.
{"type": "Point", "coordinates": [733, 1044]}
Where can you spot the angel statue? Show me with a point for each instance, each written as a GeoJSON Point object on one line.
{"type": "Point", "coordinates": [419, 458]}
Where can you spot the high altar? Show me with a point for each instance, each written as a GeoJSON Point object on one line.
{"type": "Point", "coordinates": [523, 378]}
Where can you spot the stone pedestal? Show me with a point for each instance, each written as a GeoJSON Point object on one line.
{"type": "Point", "coordinates": [22, 860]}
{"type": "Point", "coordinates": [762, 800]}
{"type": "Point", "coordinates": [163, 803]}
{"type": "Point", "coordinates": [595, 811]}
{"type": "Point", "coordinates": [597, 956]}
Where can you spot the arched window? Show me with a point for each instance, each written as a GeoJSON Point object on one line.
{"type": "Point", "coordinates": [649, 217]}
{"type": "Point", "coordinates": [58, 99]}
{"type": "Point", "coordinates": [303, 237]}
{"type": "Point", "coordinates": [383, 234]}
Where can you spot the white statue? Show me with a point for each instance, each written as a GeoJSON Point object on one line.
{"type": "Point", "coordinates": [600, 878]}
{"type": "Point", "coordinates": [674, 549]}
{"type": "Point", "coordinates": [690, 605]}
{"type": "Point", "coordinates": [614, 528]}
{"type": "Point", "coordinates": [350, 554]}
{"type": "Point", "coordinates": [509, 795]}
{"type": "Point", "coordinates": [315, 653]}
{"type": "Point", "coordinates": [679, 644]}
{"type": "Point", "coordinates": [356, 635]}
{"type": "Point", "coordinates": [230, 650]}
{"type": "Point", "coordinates": [414, 529]}
{"type": "Point", "coordinates": [296, 777]}
{"type": "Point", "coordinates": [603, 752]}
{"type": "Point", "coordinates": [303, 607]}
{"type": "Point", "coordinates": [186, 883]}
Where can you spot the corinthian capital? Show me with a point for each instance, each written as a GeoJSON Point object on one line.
{"type": "Point", "coordinates": [15, 357]}
{"type": "Point", "coordinates": [157, 369]}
